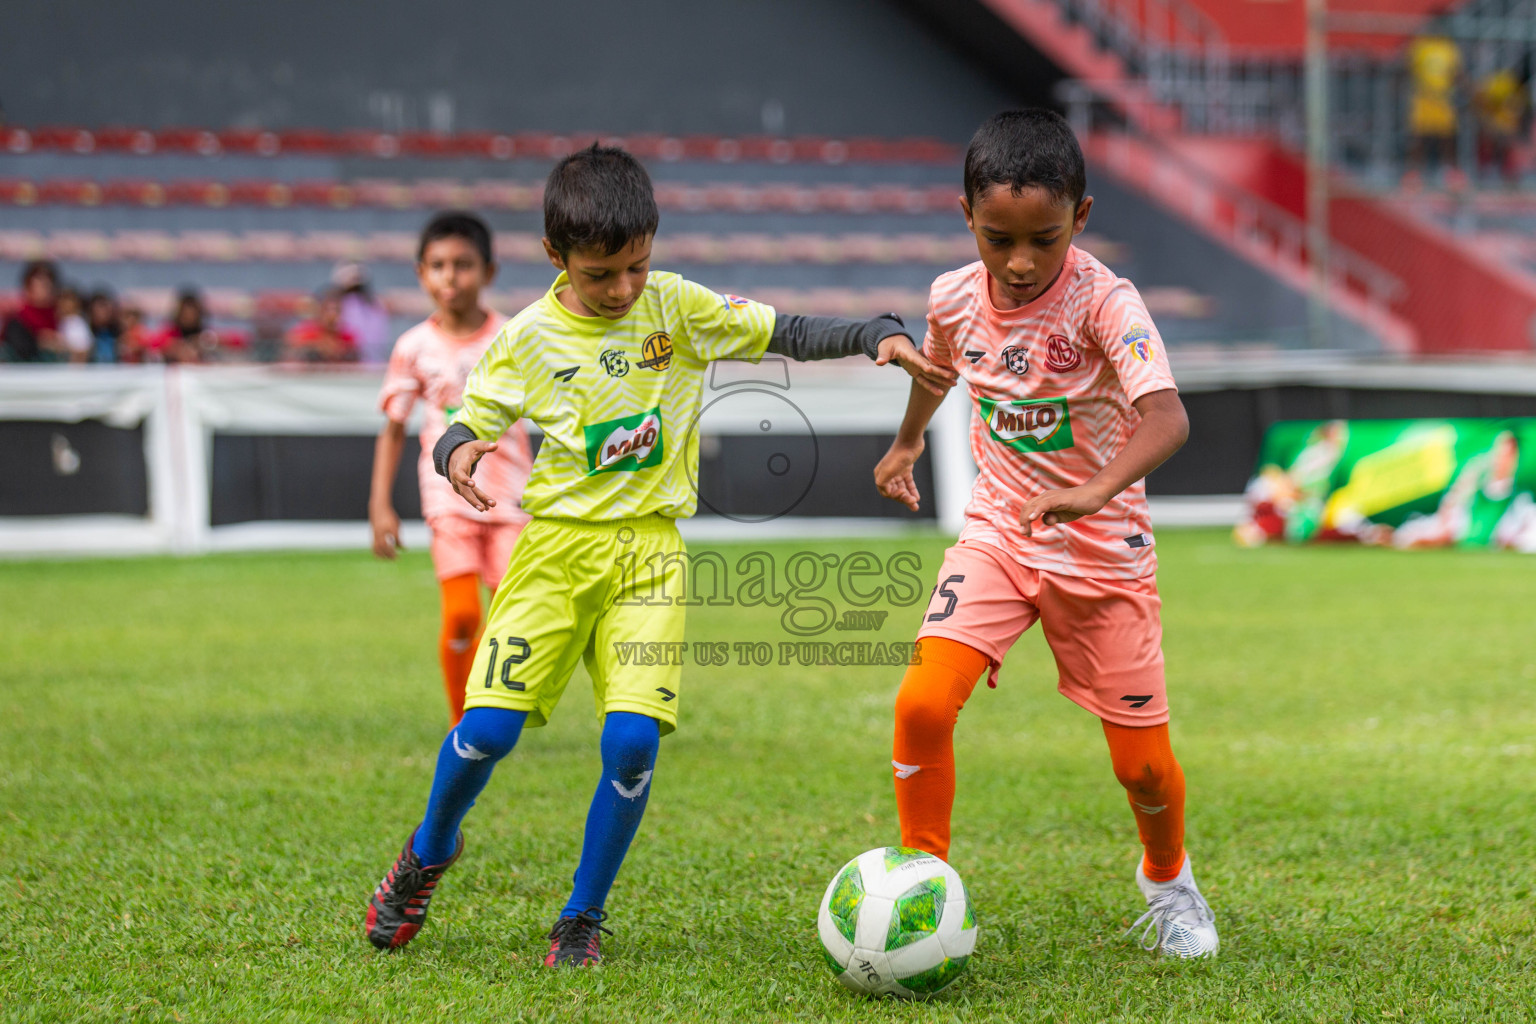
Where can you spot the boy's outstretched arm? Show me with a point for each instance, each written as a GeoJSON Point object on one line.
{"type": "Point", "coordinates": [893, 476]}
{"type": "Point", "coordinates": [1164, 429]}
{"type": "Point", "coordinates": [883, 338]}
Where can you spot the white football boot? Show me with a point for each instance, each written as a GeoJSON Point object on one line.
{"type": "Point", "coordinates": [1178, 919]}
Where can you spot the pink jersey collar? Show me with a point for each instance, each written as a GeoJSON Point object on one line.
{"type": "Point", "coordinates": [493, 322]}
{"type": "Point", "coordinates": [1038, 307]}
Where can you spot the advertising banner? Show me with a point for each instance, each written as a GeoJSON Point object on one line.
{"type": "Point", "coordinates": [1400, 483]}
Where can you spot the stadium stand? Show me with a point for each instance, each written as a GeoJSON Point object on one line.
{"type": "Point", "coordinates": [1198, 88]}
{"type": "Point", "coordinates": [851, 227]}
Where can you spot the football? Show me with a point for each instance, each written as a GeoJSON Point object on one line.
{"type": "Point", "coordinates": [897, 921]}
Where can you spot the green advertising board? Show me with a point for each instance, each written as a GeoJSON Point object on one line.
{"type": "Point", "coordinates": [1403, 483]}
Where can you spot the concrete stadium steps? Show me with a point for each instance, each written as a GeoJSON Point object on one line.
{"type": "Point", "coordinates": [180, 167]}
{"type": "Point", "coordinates": [373, 144]}
{"type": "Point", "coordinates": [811, 197]}
{"type": "Point", "coordinates": [1501, 224]}
{"type": "Point", "coordinates": [177, 219]}
{"type": "Point", "coordinates": [261, 233]}
{"type": "Point", "coordinates": [1230, 299]}
{"type": "Point", "coordinates": [949, 249]}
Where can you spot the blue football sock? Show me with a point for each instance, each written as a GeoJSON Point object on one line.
{"type": "Point", "coordinates": [629, 744]}
{"type": "Point", "coordinates": [464, 764]}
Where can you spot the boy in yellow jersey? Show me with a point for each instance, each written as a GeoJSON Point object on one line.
{"type": "Point", "coordinates": [610, 364]}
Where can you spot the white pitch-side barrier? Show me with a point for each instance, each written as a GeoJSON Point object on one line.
{"type": "Point", "coordinates": [181, 407]}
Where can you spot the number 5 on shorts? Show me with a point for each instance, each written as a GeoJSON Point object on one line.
{"type": "Point", "coordinates": [517, 653]}
{"type": "Point", "coordinates": [950, 600]}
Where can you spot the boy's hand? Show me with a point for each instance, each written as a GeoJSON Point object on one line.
{"type": "Point", "coordinates": [386, 532]}
{"type": "Point", "coordinates": [898, 348]}
{"type": "Point", "coordinates": [893, 476]}
{"type": "Point", "coordinates": [461, 464]}
{"type": "Point", "coordinates": [1055, 507]}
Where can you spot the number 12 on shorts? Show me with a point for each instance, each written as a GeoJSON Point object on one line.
{"type": "Point", "coordinates": [517, 653]}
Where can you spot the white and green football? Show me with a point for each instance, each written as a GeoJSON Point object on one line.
{"type": "Point", "coordinates": [897, 921]}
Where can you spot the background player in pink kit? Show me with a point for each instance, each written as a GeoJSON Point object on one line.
{"type": "Point", "coordinates": [1075, 404]}
{"type": "Point", "coordinates": [430, 363]}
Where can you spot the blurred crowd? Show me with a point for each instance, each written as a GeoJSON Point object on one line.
{"type": "Point", "coordinates": [54, 321]}
{"type": "Point", "coordinates": [1497, 98]}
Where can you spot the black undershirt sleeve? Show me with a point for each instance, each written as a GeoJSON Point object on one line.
{"type": "Point", "coordinates": [455, 435]}
{"type": "Point", "coordinates": [804, 338]}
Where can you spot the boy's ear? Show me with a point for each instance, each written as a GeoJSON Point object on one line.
{"type": "Point", "coordinates": [965, 208]}
{"type": "Point", "coordinates": [490, 272]}
{"type": "Point", "coordinates": [1080, 218]}
{"type": "Point", "coordinates": [555, 259]}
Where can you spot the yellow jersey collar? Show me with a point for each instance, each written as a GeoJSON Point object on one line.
{"type": "Point", "coordinates": [585, 324]}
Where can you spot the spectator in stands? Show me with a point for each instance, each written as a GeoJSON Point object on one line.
{"type": "Point", "coordinates": [102, 318]}
{"type": "Point", "coordinates": [1500, 110]}
{"type": "Point", "coordinates": [321, 339]}
{"type": "Point", "coordinates": [361, 313]}
{"type": "Point", "coordinates": [188, 338]}
{"type": "Point", "coordinates": [132, 339]}
{"type": "Point", "coordinates": [31, 333]}
{"type": "Point", "coordinates": [74, 332]}
{"type": "Point", "coordinates": [1434, 65]}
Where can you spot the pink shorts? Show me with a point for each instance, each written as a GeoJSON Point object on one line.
{"type": "Point", "coordinates": [463, 546]}
{"type": "Point", "coordinates": [1107, 635]}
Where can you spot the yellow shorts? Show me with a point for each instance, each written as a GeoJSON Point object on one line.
{"type": "Point", "coordinates": [603, 592]}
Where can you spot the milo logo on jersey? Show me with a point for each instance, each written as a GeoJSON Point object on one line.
{"type": "Point", "coordinates": [1030, 424]}
{"type": "Point", "coordinates": [625, 444]}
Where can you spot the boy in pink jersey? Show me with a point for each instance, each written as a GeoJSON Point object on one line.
{"type": "Point", "coordinates": [430, 363]}
{"type": "Point", "coordinates": [1075, 404]}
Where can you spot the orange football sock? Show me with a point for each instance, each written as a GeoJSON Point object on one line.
{"type": "Point", "coordinates": [1154, 784]}
{"type": "Point", "coordinates": [927, 708]}
{"type": "Point", "coordinates": [456, 643]}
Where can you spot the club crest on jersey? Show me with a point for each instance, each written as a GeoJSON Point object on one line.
{"type": "Point", "coordinates": [656, 352]}
{"type": "Point", "coordinates": [1030, 424]}
{"type": "Point", "coordinates": [614, 362]}
{"type": "Point", "coordinates": [1140, 341]}
{"type": "Point", "coordinates": [1016, 359]}
{"type": "Point", "coordinates": [734, 302]}
{"type": "Point", "coordinates": [625, 444]}
{"type": "Point", "coordinates": [1060, 356]}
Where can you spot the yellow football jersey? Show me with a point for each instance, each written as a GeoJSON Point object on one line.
{"type": "Point", "coordinates": [618, 400]}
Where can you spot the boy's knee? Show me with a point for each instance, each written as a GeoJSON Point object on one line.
{"type": "Point", "coordinates": [461, 623]}
{"type": "Point", "coordinates": [1145, 777]}
{"type": "Point", "coordinates": [923, 707]}
{"type": "Point", "coordinates": [630, 742]}
{"type": "Point", "coordinates": [487, 733]}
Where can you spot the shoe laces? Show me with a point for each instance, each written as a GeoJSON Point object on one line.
{"type": "Point", "coordinates": [409, 877]}
{"type": "Point", "coordinates": [579, 930]}
{"type": "Point", "coordinates": [1166, 905]}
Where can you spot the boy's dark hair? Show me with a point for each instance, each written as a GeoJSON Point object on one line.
{"type": "Point", "coordinates": [1022, 149]}
{"type": "Point", "coordinates": [33, 268]}
{"type": "Point", "coordinates": [457, 224]}
{"type": "Point", "coordinates": [598, 198]}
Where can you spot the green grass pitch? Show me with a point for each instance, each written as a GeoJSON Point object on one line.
{"type": "Point", "coordinates": [205, 766]}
